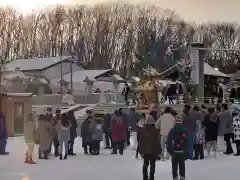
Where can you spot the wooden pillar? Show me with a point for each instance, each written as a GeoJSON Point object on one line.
{"type": "Point", "coordinates": [197, 72]}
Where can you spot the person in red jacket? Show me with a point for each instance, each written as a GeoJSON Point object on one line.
{"type": "Point", "coordinates": [119, 128]}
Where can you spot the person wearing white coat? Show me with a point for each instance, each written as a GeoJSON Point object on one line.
{"type": "Point", "coordinates": [236, 130]}
{"type": "Point", "coordinates": [164, 124]}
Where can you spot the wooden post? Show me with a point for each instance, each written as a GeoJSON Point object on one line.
{"type": "Point", "coordinates": [197, 73]}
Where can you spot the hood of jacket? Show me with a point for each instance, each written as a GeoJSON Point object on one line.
{"type": "Point", "coordinates": [214, 117]}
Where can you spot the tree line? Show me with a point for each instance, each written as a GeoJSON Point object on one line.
{"type": "Point", "coordinates": [123, 37]}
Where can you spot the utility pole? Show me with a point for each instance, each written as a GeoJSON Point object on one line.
{"type": "Point", "coordinates": [61, 54]}
{"type": "Point", "coordinates": [71, 70]}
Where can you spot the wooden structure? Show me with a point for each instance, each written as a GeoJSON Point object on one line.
{"type": "Point", "coordinates": [15, 108]}
{"type": "Point", "coordinates": [149, 93]}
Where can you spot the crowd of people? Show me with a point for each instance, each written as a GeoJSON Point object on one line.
{"type": "Point", "coordinates": [157, 135]}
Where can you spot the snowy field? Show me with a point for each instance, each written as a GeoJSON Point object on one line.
{"type": "Point", "coordinates": [107, 167]}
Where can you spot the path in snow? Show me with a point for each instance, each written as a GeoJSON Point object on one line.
{"type": "Point", "coordinates": [107, 167]}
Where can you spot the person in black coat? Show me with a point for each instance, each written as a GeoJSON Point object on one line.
{"type": "Point", "coordinates": [86, 133]}
{"type": "Point", "coordinates": [73, 132]}
{"type": "Point", "coordinates": [149, 147]}
{"type": "Point", "coordinates": [107, 131]}
{"type": "Point", "coordinates": [211, 124]}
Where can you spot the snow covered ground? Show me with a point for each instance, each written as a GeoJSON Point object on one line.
{"type": "Point", "coordinates": [107, 167]}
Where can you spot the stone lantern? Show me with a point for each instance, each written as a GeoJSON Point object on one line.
{"type": "Point", "coordinates": [88, 85]}
{"type": "Point", "coordinates": [64, 85]}
{"type": "Point", "coordinates": [116, 88]}
{"type": "Point", "coordinates": [40, 84]}
{"type": "Point", "coordinates": [15, 81]}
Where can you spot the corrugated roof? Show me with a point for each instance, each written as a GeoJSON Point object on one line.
{"type": "Point", "coordinates": [34, 63]}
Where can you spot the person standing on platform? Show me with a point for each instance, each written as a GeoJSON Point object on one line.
{"type": "Point", "coordinates": [3, 135]}
{"type": "Point", "coordinates": [125, 93]}
{"type": "Point", "coordinates": [73, 132]}
{"type": "Point", "coordinates": [119, 128]}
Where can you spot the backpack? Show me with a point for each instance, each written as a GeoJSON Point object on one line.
{"type": "Point", "coordinates": [179, 141]}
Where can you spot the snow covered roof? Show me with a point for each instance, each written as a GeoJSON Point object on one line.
{"type": "Point", "coordinates": [79, 76]}
{"type": "Point", "coordinates": [16, 74]}
{"type": "Point", "coordinates": [118, 78]}
{"type": "Point", "coordinates": [208, 70]}
{"type": "Point", "coordinates": [34, 63]}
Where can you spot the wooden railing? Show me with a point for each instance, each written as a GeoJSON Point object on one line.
{"type": "Point", "coordinates": [56, 99]}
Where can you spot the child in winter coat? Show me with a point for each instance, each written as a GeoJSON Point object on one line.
{"type": "Point", "coordinates": [177, 148]}
{"type": "Point", "coordinates": [97, 135]}
{"type": "Point", "coordinates": [199, 140]}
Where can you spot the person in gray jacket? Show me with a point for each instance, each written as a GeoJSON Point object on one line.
{"type": "Point", "coordinates": [63, 129]}
{"type": "Point", "coordinates": [133, 117]}
{"type": "Point", "coordinates": [97, 135]}
{"type": "Point", "coordinates": [226, 124]}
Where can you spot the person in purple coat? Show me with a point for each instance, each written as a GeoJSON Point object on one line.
{"type": "Point", "coordinates": [3, 135]}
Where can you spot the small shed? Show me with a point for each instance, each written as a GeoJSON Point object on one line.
{"type": "Point", "coordinates": [15, 108]}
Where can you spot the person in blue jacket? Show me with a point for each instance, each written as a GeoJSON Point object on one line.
{"type": "Point", "coordinates": [3, 135]}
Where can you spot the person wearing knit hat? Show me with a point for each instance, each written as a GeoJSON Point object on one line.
{"type": "Point", "coordinates": [177, 148]}
{"type": "Point", "coordinates": [149, 147]}
{"type": "Point", "coordinates": [178, 120]}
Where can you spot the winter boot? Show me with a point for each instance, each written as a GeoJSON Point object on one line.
{"type": "Point", "coordinates": [85, 150]}
{"type": "Point", "coordinates": [56, 154]}
{"type": "Point", "coordinates": [65, 157]}
{"type": "Point", "coordinates": [182, 178]}
{"type": "Point", "coordinates": [45, 155]}
{"type": "Point", "coordinates": [60, 156]}
{"type": "Point", "coordinates": [40, 154]}
{"type": "Point", "coordinates": [215, 154]}
{"type": "Point", "coordinates": [31, 161]}
{"type": "Point", "coordinates": [26, 161]}
{"type": "Point", "coordinates": [176, 178]}
{"type": "Point", "coordinates": [151, 177]}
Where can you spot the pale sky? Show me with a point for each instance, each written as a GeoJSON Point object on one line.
{"type": "Point", "coordinates": [190, 10]}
